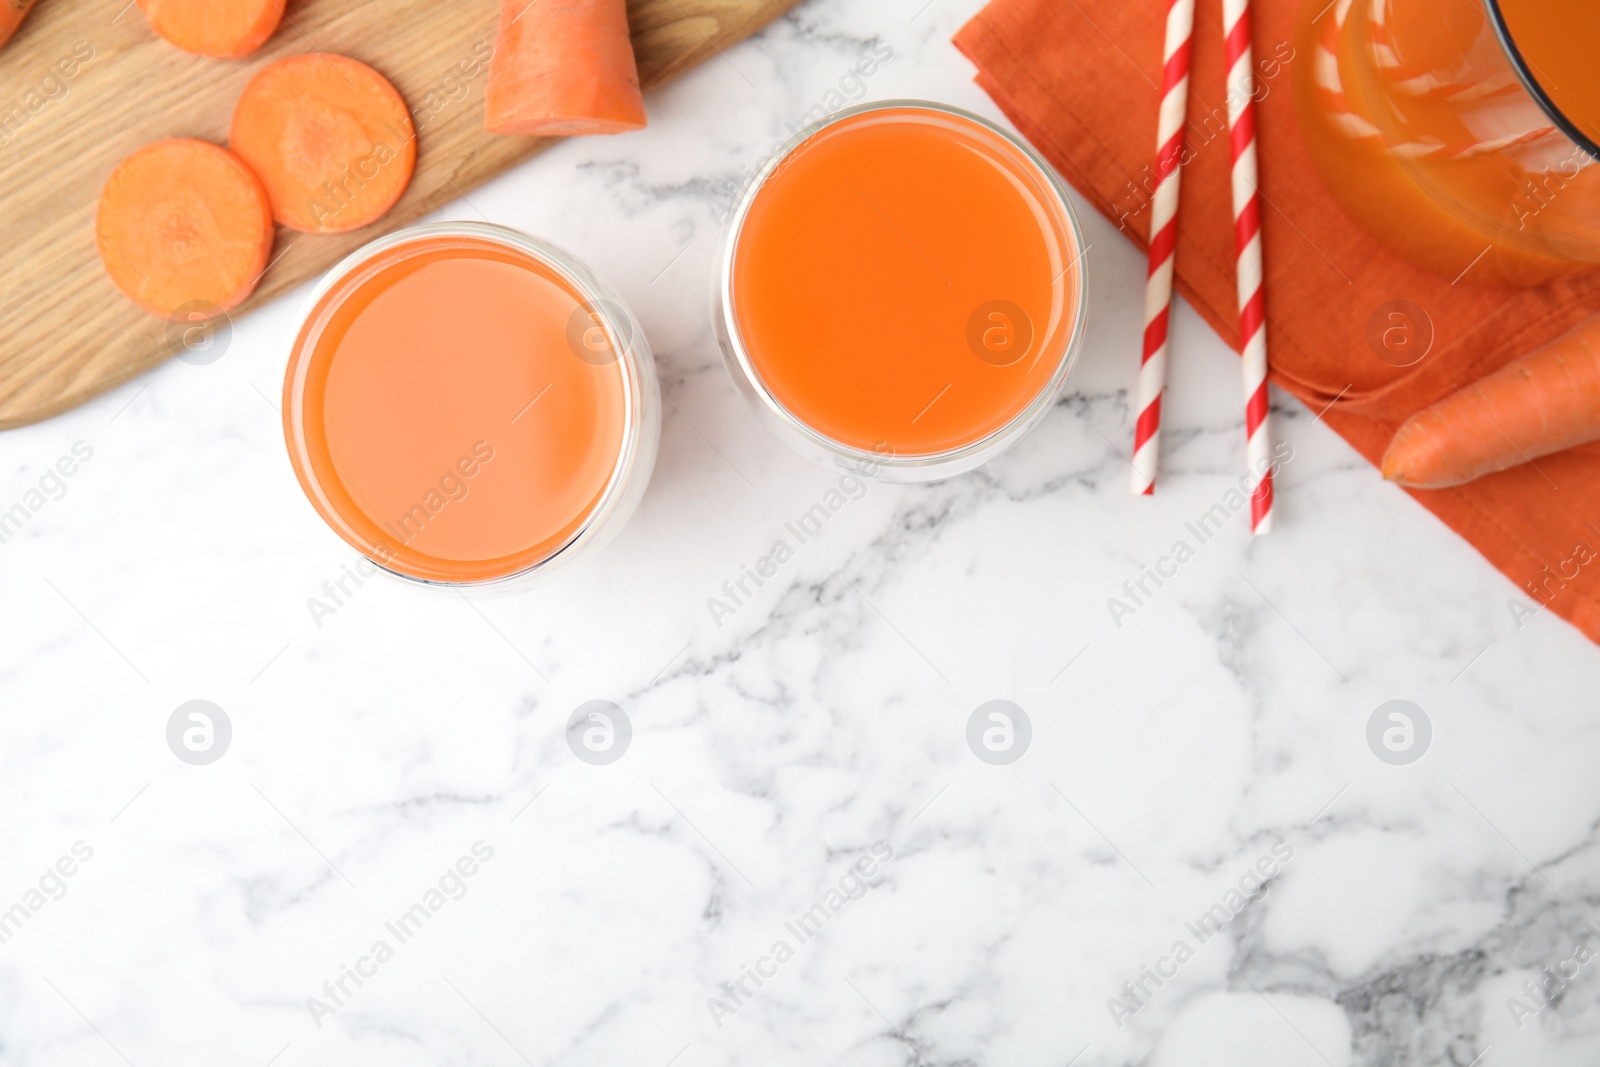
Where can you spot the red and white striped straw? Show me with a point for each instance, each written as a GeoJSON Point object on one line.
{"type": "Point", "coordinates": [1247, 240]}
{"type": "Point", "coordinates": [1163, 241]}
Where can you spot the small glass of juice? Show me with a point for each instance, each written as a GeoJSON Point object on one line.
{"type": "Point", "coordinates": [901, 290]}
{"type": "Point", "coordinates": [465, 405]}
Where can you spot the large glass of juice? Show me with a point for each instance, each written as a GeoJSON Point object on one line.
{"type": "Point", "coordinates": [464, 405]}
{"type": "Point", "coordinates": [1460, 133]}
{"type": "Point", "coordinates": [901, 290]}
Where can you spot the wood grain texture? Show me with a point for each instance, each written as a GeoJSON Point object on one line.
{"type": "Point", "coordinates": [85, 82]}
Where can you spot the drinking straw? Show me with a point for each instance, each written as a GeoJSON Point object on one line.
{"type": "Point", "coordinates": [1247, 242]}
{"type": "Point", "coordinates": [1163, 243]}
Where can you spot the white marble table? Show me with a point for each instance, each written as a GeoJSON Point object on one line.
{"type": "Point", "coordinates": [614, 914]}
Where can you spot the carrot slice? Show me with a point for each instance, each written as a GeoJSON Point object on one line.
{"type": "Point", "coordinates": [184, 222]}
{"type": "Point", "coordinates": [1545, 402]}
{"type": "Point", "coordinates": [221, 29]}
{"type": "Point", "coordinates": [330, 138]}
{"type": "Point", "coordinates": [563, 68]}
{"type": "Point", "coordinates": [12, 12]}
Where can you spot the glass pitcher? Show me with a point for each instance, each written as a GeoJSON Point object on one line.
{"type": "Point", "coordinates": [1460, 133]}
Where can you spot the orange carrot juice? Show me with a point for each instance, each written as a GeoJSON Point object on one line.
{"type": "Point", "coordinates": [1462, 135]}
{"type": "Point", "coordinates": [904, 284]}
{"type": "Point", "coordinates": [1555, 40]}
{"type": "Point", "coordinates": [459, 407]}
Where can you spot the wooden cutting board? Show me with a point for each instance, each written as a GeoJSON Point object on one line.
{"type": "Point", "coordinates": [85, 82]}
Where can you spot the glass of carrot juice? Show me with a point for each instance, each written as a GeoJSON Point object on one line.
{"type": "Point", "coordinates": [901, 290]}
{"type": "Point", "coordinates": [465, 405]}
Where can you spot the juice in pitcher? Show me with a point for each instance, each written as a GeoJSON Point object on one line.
{"type": "Point", "coordinates": [1460, 133]}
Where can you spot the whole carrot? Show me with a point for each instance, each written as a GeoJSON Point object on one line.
{"type": "Point", "coordinates": [1545, 402]}
{"type": "Point", "coordinates": [12, 12]}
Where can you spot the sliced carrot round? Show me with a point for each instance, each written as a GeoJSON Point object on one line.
{"type": "Point", "coordinates": [12, 12]}
{"type": "Point", "coordinates": [330, 138]}
{"type": "Point", "coordinates": [184, 222]}
{"type": "Point", "coordinates": [222, 29]}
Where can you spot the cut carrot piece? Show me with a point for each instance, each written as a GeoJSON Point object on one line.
{"type": "Point", "coordinates": [563, 67]}
{"type": "Point", "coordinates": [184, 222]}
{"type": "Point", "coordinates": [12, 12]}
{"type": "Point", "coordinates": [221, 29]}
{"type": "Point", "coordinates": [1545, 402]}
{"type": "Point", "coordinates": [330, 138]}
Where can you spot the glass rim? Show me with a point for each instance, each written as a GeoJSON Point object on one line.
{"type": "Point", "coordinates": [593, 292]}
{"type": "Point", "coordinates": [1524, 69]}
{"type": "Point", "coordinates": [868, 458]}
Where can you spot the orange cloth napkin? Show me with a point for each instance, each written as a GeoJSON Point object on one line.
{"type": "Point", "coordinates": [1080, 79]}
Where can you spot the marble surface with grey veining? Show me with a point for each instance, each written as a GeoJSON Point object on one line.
{"type": "Point", "coordinates": [1200, 859]}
